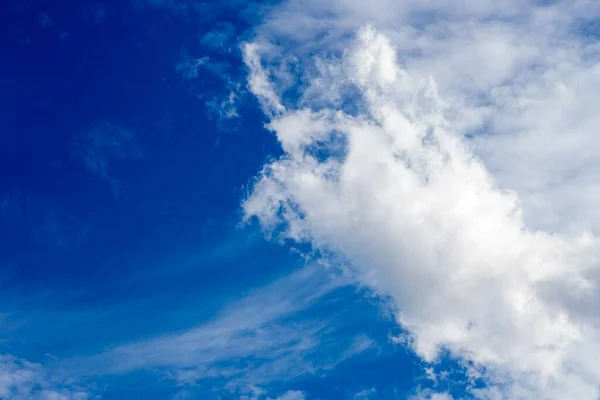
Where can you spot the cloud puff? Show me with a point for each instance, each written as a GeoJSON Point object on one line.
{"type": "Point", "coordinates": [390, 184]}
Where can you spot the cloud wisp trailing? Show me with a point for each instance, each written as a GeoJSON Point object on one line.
{"type": "Point", "coordinates": [267, 338]}
{"type": "Point", "coordinates": [377, 169]}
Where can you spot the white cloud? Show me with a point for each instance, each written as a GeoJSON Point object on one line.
{"type": "Point", "coordinates": [189, 68]}
{"type": "Point", "coordinates": [514, 69]}
{"type": "Point", "coordinates": [21, 380]}
{"type": "Point", "coordinates": [429, 395]}
{"type": "Point", "coordinates": [259, 82]}
{"type": "Point", "coordinates": [222, 106]}
{"type": "Point", "coordinates": [257, 341]}
{"type": "Point", "coordinates": [291, 395]}
{"type": "Point", "coordinates": [360, 344]}
{"type": "Point", "coordinates": [392, 185]}
{"type": "Point", "coordinates": [365, 394]}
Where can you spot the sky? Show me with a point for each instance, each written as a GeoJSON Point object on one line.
{"type": "Point", "coordinates": [299, 199]}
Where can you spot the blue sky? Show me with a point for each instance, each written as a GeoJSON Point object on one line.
{"type": "Point", "coordinates": [121, 220]}
{"type": "Point", "coordinates": [298, 200]}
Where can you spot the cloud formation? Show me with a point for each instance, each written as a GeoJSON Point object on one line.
{"type": "Point", "coordinates": [519, 77]}
{"type": "Point", "coordinates": [265, 339]}
{"type": "Point", "coordinates": [378, 169]}
{"type": "Point", "coordinates": [21, 380]}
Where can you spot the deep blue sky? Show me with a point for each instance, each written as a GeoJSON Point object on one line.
{"type": "Point", "coordinates": [120, 191]}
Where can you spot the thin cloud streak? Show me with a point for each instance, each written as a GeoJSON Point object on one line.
{"type": "Point", "coordinates": [267, 337]}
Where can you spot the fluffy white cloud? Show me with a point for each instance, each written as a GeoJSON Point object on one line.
{"type": "Point", "coordinates": [377, 170]}
{"type": "Point", "coordinates": [524, 73]}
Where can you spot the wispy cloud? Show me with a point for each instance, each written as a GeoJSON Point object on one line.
{"type": "Point", "coordinates": [221, 38]}
{"type": "Point", "coordinates": [291, 395]}
{"type": "Point", "coordinates": [222, 105]}
{"type": "Point", "coordinates": [268, 337]}
{"type": "Point", "coordinates": [189, 68]}
{"type": "Point", "coordinates": [21, 380]}
{"type": "Point", "coordinates": [225, 108]}
{"type": "Point", "coordinates": [379, 169]}
{"type": "Point", "coordinates": [103, 145]}
{"type": "Point", "coordinates": [366, 394]}
{"type": "Point", "coordinates": [430, 395]}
